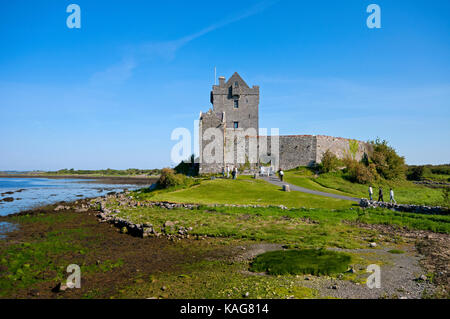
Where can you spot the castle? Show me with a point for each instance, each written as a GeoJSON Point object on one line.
{"type": "Point", "coordinates": [229, 135]}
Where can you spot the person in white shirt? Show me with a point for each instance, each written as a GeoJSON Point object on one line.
{"type": "Point", "coordinates": [370, 192]}
{"type": "Point", "coordinates": [281, 174]}
{"type": "Point", "coordinates": [228, 171]}
{"type": "Point", "coordinates": [391, 196]}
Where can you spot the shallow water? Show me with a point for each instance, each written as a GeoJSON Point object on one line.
{"type": "Point", "coordinates": [29, 193]}
{"type": "Point", "coordinates": [6, 227]}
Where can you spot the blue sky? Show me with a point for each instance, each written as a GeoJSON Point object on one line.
{"type": "Point", "coordinates": [110, 94]}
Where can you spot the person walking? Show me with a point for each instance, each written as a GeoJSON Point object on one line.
{"type": "Point", "coordinates": [391, 196]}
{"type": "Point", "coordinates": [228, 171]}
{"type": "Point", "coordinates": [380, 195]}
{"type": "Point", "coordinates": [281, 173]}
{"type": "Point", "coordinates": [223, 172]}
{"type": "Point", "coordinates": [370, 192]}
{"type": "Point", "coordinates": [233, 173]}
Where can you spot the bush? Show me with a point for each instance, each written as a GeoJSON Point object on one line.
{"type": "Point", "coordinates": [189, 168]}
{"type": "Point", "coordinates": [329, 162]}
{"type": "Point", "coordinates": [415, 173]}
{"type": "Point", "coordinates": [360, 173]}
{"type": "Point", "coordinates": [169, 178]}
{"type": "Point", "coordinates": [306, 261]}
{"type": "Point", "coordinates": [388, 163]}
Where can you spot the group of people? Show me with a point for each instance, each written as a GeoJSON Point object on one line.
{"type": "Point", "coordinates": [380, 195]}
{"type": "Point", "coordinates": [226, 172]}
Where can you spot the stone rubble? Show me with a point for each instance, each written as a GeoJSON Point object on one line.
{"type": "Point", "coordinates": [437, 210]}
{"type": "Point", "coordinates": [170, 229]}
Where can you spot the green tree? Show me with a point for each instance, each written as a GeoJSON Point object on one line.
{"type": "Point", "coordinates": [387, 162]}
{"type": "Point", "coordinates": [329, 162]}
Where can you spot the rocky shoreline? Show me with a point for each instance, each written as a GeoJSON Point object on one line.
{"type": "Point", "coordinates": [134, 180]}
{"type": "Point", "coordinates": [435, 246]}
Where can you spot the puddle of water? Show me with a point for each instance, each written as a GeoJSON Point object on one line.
{"type": "Point", "coordinates": [6, 227]}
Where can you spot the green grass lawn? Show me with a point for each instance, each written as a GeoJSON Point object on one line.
{"type": "Point", "coordinates": [405, 192]}
{"type": "Point", "coordinates": [306, 228]}
{"type": "Point", "coordinates": [261, 224]}
{"type": "Point", "coordinates": [245, 190]}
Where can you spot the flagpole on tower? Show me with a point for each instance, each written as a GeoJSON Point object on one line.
{"type": "Point", "coordinates": [215, 76]}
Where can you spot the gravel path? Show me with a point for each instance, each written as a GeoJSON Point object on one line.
{"type": "Point", "coordinates": [399, 274]}
{"type": "Point", "coordinates": [276, 181]}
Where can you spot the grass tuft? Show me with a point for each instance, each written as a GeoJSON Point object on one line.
{"type": "Point", "coordinates": [306, 261]}
{"type": "Point", "coordinates": [396, 251]}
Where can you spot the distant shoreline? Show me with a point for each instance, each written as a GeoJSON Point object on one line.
{"type": "Point", "coordinates": [135, 180]}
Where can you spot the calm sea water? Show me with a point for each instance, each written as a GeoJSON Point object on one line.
{"type": "Point", "coordinates": [34, 192]}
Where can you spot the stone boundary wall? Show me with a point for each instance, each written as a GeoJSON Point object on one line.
{"type": "Point", "coordinates": [297, 150]}
{"type": "Point", "coordinates": [340, 147]}
{"type": "Point", "coordinates": [432, 184]}
{"type": "Point", "coordinates": [436, 210]}
{"type": "Point", "coordinates": [294, 150]}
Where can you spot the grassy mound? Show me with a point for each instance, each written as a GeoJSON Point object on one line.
{"type": "Point", "coordinates": [396, 251]}
{"type": "Point", "coordinates": [244, 190]}
{"type": "Point", "coordinates": [306, 261]}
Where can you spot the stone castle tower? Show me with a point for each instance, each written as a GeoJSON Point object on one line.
{"type": "Point", "coordinates": [229, 135]}
{"type": "Point", "coordinates": [238, 101]}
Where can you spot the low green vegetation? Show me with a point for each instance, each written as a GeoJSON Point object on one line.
{"type": "Point", "coordinates": [217, 279]}
{"type": "Point", "coordinates": [169, 179]}
{"type": "Point", "coordinates": [307, 228]}
{"type": "Point", "coordinates": [106, 172]}
{"type": "Point", "coordinates": [382, 167]}
{"type": "Point", "coordinates": [382, 162]}
{"type": "Point", "coordinates": [396, 251]}
{"type": "Point", "coordinates": [260, 224]}
{"type": "Point", "coordinates": [44, 258]}
{"type": "Point", "coordinates": [244, 190]}
{"type": "Point", "coordinates": [337, 182]}
{"type": "Point", "coordinates": [438, 173]}
{"type": "Point", "coordinates": [306, 261]}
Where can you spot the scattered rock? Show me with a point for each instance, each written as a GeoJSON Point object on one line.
{"type": "Point", "coordinates": [169, 224]}
{"type": "Point", "coordinates": [373, 244]}
{"type": "Point", "coordinates": [365, 203]}
{"type": "Point", "coordinates": [59, 288]}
